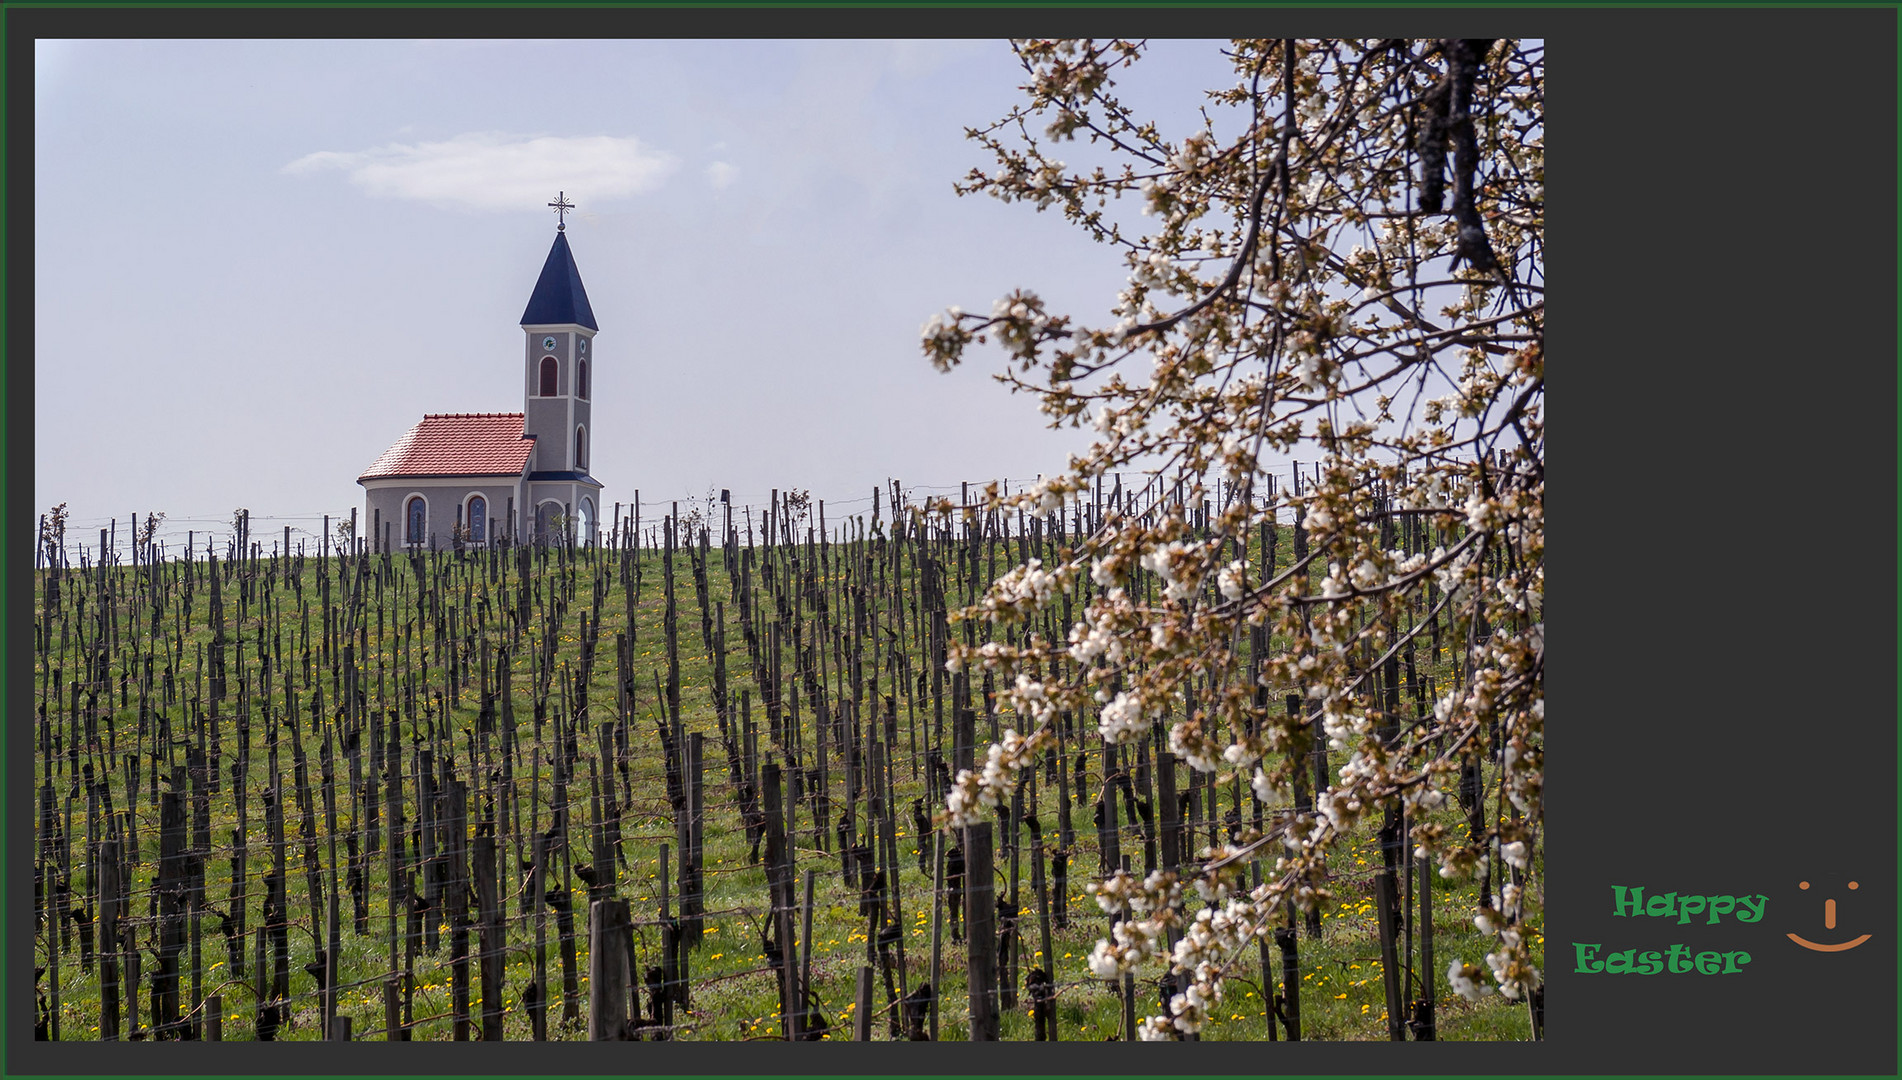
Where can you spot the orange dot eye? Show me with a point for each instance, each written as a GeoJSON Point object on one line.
{"type": "Point", "coordinates": [1852, 885]}
{"type": "Point", "coordinates": [1802, 884]}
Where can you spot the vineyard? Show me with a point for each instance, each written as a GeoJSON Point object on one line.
{"type": "Point", "coordinates": [687, 785]}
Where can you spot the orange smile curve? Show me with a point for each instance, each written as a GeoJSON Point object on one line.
{"type": "Point", "coordinates": [1828, 948]}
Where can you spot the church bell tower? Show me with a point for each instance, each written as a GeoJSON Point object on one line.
{"type": "Point", "coordinates": [558, 329]}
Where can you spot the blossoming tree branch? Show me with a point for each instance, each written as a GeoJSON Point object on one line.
{"type": "Point", "coordinates": [1341, 263]}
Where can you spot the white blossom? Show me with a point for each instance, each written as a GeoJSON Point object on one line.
{"type": "Point", "coordinates": [1230, 580]}
{"type": "Point", "coordinates": [1481, 512]}
{"type": "Point", "coordinates": [1463, 978]}
{"type": "Point", "coordinates": [1515, 853]}
{"type": "Point", "coordinates": [1122, 719]}
{"type": "Point", "coordinates": [1263, 788]}
{"type": "Point", "coordinates": [1332, 587]}
{"type": "Point", "coordinates": [1156, 1029]}
{"type": "Point", "coordinates": [1189, 743]}
{"type": "Point", "coordinates": [1512, 972]}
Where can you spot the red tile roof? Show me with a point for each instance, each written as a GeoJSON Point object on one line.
{"type": "Point", "coordinates": [457, 444]}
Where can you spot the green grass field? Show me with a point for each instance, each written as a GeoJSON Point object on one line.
{"type": "Point", "coordinates": [277, 608]}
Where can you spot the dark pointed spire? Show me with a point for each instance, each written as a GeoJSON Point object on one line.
{"type": "Point", "coordinates": [559, 296]}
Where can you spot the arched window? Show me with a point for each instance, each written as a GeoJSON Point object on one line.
{"type": "Point", "coordinates": [581, 378]}
{"type": "Point", "coordinates": [581, 448]}
{"type": "Point", "coordinates": [549, 367]}
{"type": "Point", "coordinates": [416, 516]}
{"type": "Point", "coordinates": [545, 516]}
{"type": "Point", "coordinates": [586, 535]}
{"type": "Point", "coordinates": [478, 519]}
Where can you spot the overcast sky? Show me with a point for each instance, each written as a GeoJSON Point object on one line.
{"type": "Point", "coordinates": [259, 263]}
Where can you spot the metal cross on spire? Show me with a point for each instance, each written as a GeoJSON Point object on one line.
{"type": "Point", "coordinates": [561, 206]}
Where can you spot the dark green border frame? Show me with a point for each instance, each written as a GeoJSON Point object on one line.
{"type": "Point", "coordinates": [1570, 1041]}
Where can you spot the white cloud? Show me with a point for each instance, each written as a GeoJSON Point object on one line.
{"type": "Point", "coordinates": [495, 171]}
{"type": "Point", "coordinates": [722, 175]}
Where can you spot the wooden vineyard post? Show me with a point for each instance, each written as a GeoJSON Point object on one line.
{"type": "Point", "coordinates": [570, 979]}
{"type": "Point", "coordinates": [396, 875]}
{"type": "Point", "coordinates": [890, 934]}
{"type": "Point", "coordinates": [538, 996]}
{"type": "Point", "coordinates": [607, 970]}
{"type": "Point", "coordinates": [1290, 978]}
{"type": "Point", "coordinates": [109, 939]}
{"type": "Point", "coordinates": [1066, 832]}
{"type": "Point", "coordinates": [171, 888]}
{"type": "Point", "coordinates": [1110, 853]}
{"type": "Point", "coordinates": [916, 1007]}
{"type": "Point", "coordinates": [1320, 765]}
{"type": "Point", "coordinates": [333, 944]}
{"type": "Point", "coordinates": [779, 880]}
{"type": "Point", "coordinates": [1043, 1010]}
{"type": "Point", "coordinates": [937, 925]}
{"type": "Point", "coordinates": [1270, 999]}
{"type": "Point", "coordinates": [1128, 989]}
{"type": "Point", "coordinates": [457, 899]}
{"type": "Point", "coordinates": [47, 912]}
{"type": "Point", "coordinates": [677, 988]}
{"type": "Point", "coordinates": [807, 1030]}
{"type": "Point", "coordinates": [429, 829]}
{"type": "Point", "coordinates": [1303, 799]}
{"type": "Point", "coordinates": [692, 883]}
{"type": "Point", "coordinates": [490, 942]}
{"type": "Point", "coordinates": [669, 952]}
{"type": "Point", "coordinates": [1385, 907]}
{"type": "Point", "coordinates": [1171, 811]}
{"type": "Point", "coordinates": [1422, 1022]}
{"type": "Point", "coordinates": [1212, 804]}
{"type": "Point", "coordinates": [265, 1028]}
{"type": "Point", "coordinates": [1010, 942]}
{"type": "Point", "coordinates": [1039, 974]}
{"type": "Point", "coordinates": [1145, 814]}
{"type": "Point", "coordinates": [980, 914]}
{"type": "Point", "coordinates": [862, 1006]}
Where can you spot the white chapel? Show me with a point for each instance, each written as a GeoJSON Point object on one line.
{"type": "Point", "coordinates": [481, 478]}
